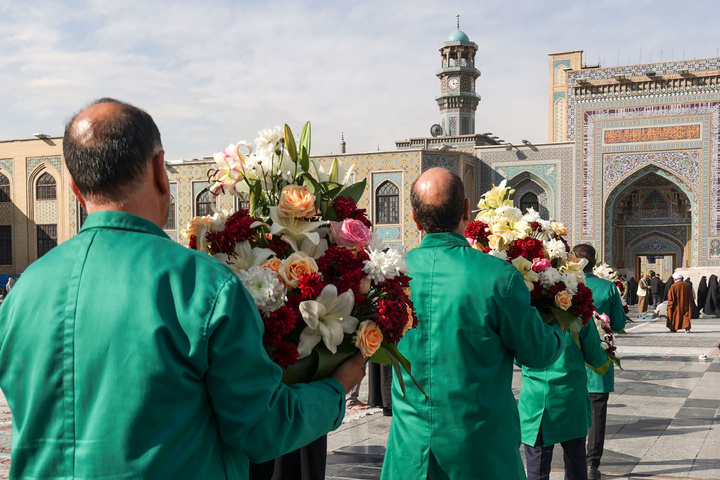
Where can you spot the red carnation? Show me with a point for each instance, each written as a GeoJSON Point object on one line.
{"type": "Point", "coordinates": [391, 316]}
{"type": "Point", "coordinates": [278, 323]}
{"type": "Point", "coordinates": [477, 230]}
{"type": "Point", "coordinates": [536, 291]}
{"type": "Point", "coordinates": [583, 303]}
{"type": "Point", "coordinates": [219, 243]}
{"type": "Point", "coordinates": [237, 228]}
{"type": "Point", "coordinates": [279, 246]}
{"type": "Point", "coordinates": [285, 354]}
{"type": "Point", "coordinates": [311, 286]}
{"type": "Point", "coordinates": [528, 247]}
{"type": "Point", "coordinates": [193, 242]}
{"type": "Point", "coordinates": [347, 208]}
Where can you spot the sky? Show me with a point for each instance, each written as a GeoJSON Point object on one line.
{"type": "Point", "coordinates": [216, 72]}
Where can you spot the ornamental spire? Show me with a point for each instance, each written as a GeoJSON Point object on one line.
{"type": "Point", "coordinates": [458, 22]}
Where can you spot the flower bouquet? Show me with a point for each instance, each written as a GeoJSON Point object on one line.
{"type": "Point", "coordinates": [607, 341]}
{"type": "Point", "coordinates": [538, 249]}
{"type": "Point", "coordinates": [306, 254]}
{"type": "Point", "coordinates": [604, 271]}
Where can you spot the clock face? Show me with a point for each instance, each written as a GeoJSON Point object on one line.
{"type": "Point", "coordinates": [453, 83]}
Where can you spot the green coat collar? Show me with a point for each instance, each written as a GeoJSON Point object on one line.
{"type": "Point", "coordinates": [443, 239]}
{"type": "Point", "coordinates": [121, 221]}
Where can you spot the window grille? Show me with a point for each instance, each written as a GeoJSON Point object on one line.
{"type": "Point", "coordinates": [46, 238]}
{"type": "Point", "coordinates": [387, 203]}
{"type": "Point", "coordinates": [46, 187]}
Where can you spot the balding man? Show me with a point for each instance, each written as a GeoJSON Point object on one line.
{"type": "Point", "coordinates": [125, 355]}
{"type": "Point", "coordinates": [474, 318]}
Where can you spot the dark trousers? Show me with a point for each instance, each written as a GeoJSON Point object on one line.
{"type": "Point", "coordinates": [306, 463]}
{"type": "Point", "coordinates": [657, 298]}
{"type": "Point", "coordinates": [596, 435]}
{"type": "Point", "coordinates": [539, 459]}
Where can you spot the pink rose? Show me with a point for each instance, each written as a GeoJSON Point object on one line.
{"type": "Point", "coordinates": [541, 264]}
{"type": "Point", "coordinates": [351, 233]}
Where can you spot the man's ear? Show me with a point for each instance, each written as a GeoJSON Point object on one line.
{"type": "Point", "coordinates": [417, 224]}
{"type": "Point", "coordinates": [160, 174]}
{"type": "Point", "coordinates": [76, 192]}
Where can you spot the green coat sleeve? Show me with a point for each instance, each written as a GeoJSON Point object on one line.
{"type": "Point", "coordinates": [256, 413]}
{"type": "Point", "coordinates": [592, 351]}
{"type": "Point", "coordinates": [617, 311]}
{"type": "Point", "coordinates": [534, 343]}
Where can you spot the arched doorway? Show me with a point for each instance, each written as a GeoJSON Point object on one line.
{"type": "Point", "coordinates": [648, 224]}
{"type": "Point", "coordinates": [530, 191]}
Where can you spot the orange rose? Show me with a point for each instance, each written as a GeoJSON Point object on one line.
{"type": "Point", "coordinates": [369, 337]}
{"type": "Point", "coordinates": [563, 300]}
{"type": "Point", "coordinates": [294, 267]}
{"type": "Point", "coordinates": [409, 323]}
{"type": "Point", "coordinates": [272, 264]}
{"type": "Point", "coordinates": [559, 228]}
{"type": "Point", "coordinates": [296, 201]}
{"type": "Point", "coordinates": [364, 287]}
{"type": "Point", "coordinates": [494, 241]}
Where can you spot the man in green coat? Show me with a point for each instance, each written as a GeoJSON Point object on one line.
{"type": "Point", "coordinates": [607, 300]}
{"type": "Point", "coordinates": [125, 355]}
{"type": "Point", "coordinates": [555, 407]}
{"type": "Point", "coordinates": [474, 318]}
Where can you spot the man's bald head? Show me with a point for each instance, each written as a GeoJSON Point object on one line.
{"type": "Point", "coordinates": [108, 147]}
{"type": "Point", "coordinates": [438, 200]}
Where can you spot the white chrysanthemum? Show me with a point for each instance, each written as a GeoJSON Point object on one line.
{"type": "Point", "coordinates": [264, 287]}
{"type": "Point", "coordinates": [270, 139]}
{"type": "Point", "coordinates": [531, 216]}
{"type": "Point", "coordinates": [550, 277]}
{"type": "Point", "coordinates": [546, 225]}
{"type": "Point", "coordinates": [511, 213]}
{"type": "Point", "coordinates": [384, 265]}
{"type": "Point", "coordinates": [571, 283]}
{"type": "Point", "coordinates": [556, 249]}
{"type": "Point", "coordinates": [501, 254]}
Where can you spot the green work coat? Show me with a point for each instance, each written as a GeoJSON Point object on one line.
{"type": "Point", "coordinates": [474, 318]}
{"type": "Point", "coordinates": [556, 397]}
{"type": "Point", "coordinates": [607, 300]}
{"type": "Point", "coordinates": [125, 356]}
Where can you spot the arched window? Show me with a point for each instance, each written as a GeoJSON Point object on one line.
{"type": "Point", "coordinates": [170, 224]}
{"type": "Point", "coordinates": [559, 120]}
{"type": "Point", "coordinates": [529, 200]}
{"type": "Point", "coordinates": [560, 75]}
{"type": "Point", "coordinates": [242, 202]}
{"type": "Point", "coordinates": [4, 188]}
{"type": "Point", "coordinates": [45, 187]}
{"type": "Point", "coordinates": [202, 203]}
{"type": "Point", "coordinates": [387, 203]}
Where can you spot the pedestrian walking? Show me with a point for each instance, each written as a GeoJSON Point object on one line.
{"type": "Point", "coordinates": [679, 305]}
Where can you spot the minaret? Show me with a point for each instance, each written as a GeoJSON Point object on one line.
{"type": "Point", "coordinates": [342, 143]}
{"type": "Point", "coordinates": [458, 100]}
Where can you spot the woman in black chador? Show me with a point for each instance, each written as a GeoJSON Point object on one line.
{"type": "Point", "coordinates": [631, 293]}
{"type": "Point", "coordinates": [712, 302]}
{"type": "Point", "coordinates": [702, 293]}
{"type": "Point", "coordinates": [668, 284]}
{"type": "Point", "coordinates": [694, 311]}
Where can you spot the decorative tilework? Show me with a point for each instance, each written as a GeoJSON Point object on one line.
{"type": "Point", "coordinates": [6, 213]}
{"type": "Point", "coordinates": [657, 243]}
{"type": "Point", "coordinates": [378, 178]}
{"type": "Point", "coordinates": [557, 96]}
{"type": "Point", "coordinates": [532, 187]}
{"type": "Point", "coordinates": [431, 160]}
{"type": "Point", "coordinates": [33, 162]}
{"type": "Point", "coordinates": [714, 248]}
{"type": "Point", "coordinates": [46, 211]}
{"type": "Point", "coordinates": [8, 164]}
{"type": "Point", "coordinates": [684, 163]}
{"type": "Point", "coordinates": [388, 233]}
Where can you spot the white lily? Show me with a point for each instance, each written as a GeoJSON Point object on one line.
{"type": "Point", "coordinates": [328, 319]}
{"type": "Point", "coordinates": [335, 174]}
{"type": "Point", "coordinates": [294, 230]}
{"type": "Point", "coordinates": [246, 256]}
{"type": "Point", "coordinates": [525, 267]}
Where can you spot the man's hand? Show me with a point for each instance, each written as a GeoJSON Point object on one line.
{"type": "Point", "coordinates": [350, 372]}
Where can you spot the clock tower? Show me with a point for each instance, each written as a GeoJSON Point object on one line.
{"type": "Point", "coordinates": [458, 100]}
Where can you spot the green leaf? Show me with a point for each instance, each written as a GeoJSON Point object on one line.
{"type": "Point", "coordinates": [567, 319]}
{"type": "Point", "coordinates": [616, 361]}
{"type": "Point", "coordinates": [396, 366]}
{"type": "Point", "coordinates": [328, 362]}
{"type": "Point", "coordinates": [304, 147]}
{"type": "Point", "coordinates": [354, 191]}
{"type": "Point", "coordinates": [392, 352]}
{"type": "Point", "coordinates": [290, 143]}
{"type": "Point", "coordinates": [303, 371]}
{"type": "Point", "coordinates": [602, 370]}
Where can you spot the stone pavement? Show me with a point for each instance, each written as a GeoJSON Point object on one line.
{"type": "Point", "coordinates": [663, 419]}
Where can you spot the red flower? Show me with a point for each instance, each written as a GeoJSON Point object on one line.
{"type": "Point", "coordinates": [285, 354]}
{"type": "Point", "coordinates": [346, 208]}
{"type": "Point", "coordinates": [219, 243]}
{"type": "Point", "coordinates": [391, 316]}
{"type": "Point", "coordinates": [280, 247]}
{"type": "Point", "coordinates": [477, 230]}
{"type": "Point", "coordinates": [536, 291]}
{"type": "Point", "coordinates": [530, 248]}
{"type": "Point", "coordinates": [278, 323]}
{"type": "Point", "coordinates": [311, 286]}
{"type": "Point", "coordinates": [536, 226]}
{"type": "Point", "coordinates": [193, 242]}
{"type": "Point", "coordinates": [583, 303]}
{"type": "Point", "coordinates": [620, 286]}
{"type": "Point", "coordinates": [237, 228]}
{"type": "Point", "coordinates": [337, 262]}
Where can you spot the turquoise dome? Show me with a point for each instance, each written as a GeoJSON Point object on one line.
{"type": "Point", "coordinates": [458, 36]}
